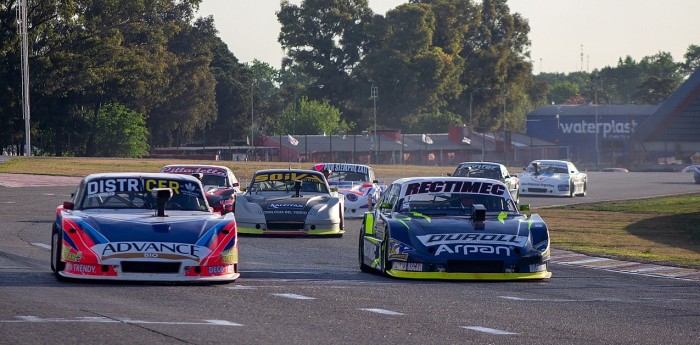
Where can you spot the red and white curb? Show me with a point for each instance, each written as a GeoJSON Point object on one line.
{"type": "Point", "coordinates": [567, 258]}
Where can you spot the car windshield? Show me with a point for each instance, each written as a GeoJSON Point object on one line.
{"type": "Point", "coordinates": [547, 169]}
{"type": "Point", "coordinates": [469, 171]}
{"type": "Point", "coordinates": [456, 204]}
{"type": "Point", "coordinates": [288, 187]}
{"type": "Point", "coordinates": [133, 193]}
{"type": "Point", "coordinates": [214, 180]}
{"type": "Point", "coordinates": [349, 176]}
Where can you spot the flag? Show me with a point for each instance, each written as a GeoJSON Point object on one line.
{"type": "Point", "coordinates": [292, 140]}
{"type": "Point", "coordinates": [426, 139]}
{"type": "Point", "coordinates": [466, 140]}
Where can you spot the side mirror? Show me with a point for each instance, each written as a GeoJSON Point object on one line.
{"type": "Point", "coordinates": [386, 205]}
{"type": "Point", "coordinates": [334, 189]}
{"type": "Point", "coordinates": [236, 184]}
{"type": "Point", "coordinates": [524, 207]}
{"type": "Point", "coordinates": [375, 181]}
{"type": "Point", "coordinates": [67, 205]}
{"type": "Point", "coordinates": [449, 174]}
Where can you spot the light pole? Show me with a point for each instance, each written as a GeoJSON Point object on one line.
{"type": "Point", "coordinates": [505, 146]}
{"type": "Point", "coordinates": [471, 100]}
{"type": "Point", "coordinates": [374, 93]}
{"type": "Point", "coordinates": [25, 77]}
{"type": "Point", "coordinates": [252, 121]}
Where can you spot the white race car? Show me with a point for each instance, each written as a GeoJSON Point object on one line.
{"type": "Point", "coordinates": [357, 183]}
{"type": "Point", "coordinates": [289, 202]}
{"type": "Point", "coordinates": [552, 178]}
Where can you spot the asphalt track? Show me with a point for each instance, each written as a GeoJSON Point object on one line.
{"type": "Point", "coordinates": [310, 291]}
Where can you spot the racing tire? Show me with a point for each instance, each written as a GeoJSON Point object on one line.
{"type": "Point", "coordinates": [572, 189]}
{"type": "Point", "coordinates": [385, 253]}
{"type": "Point", "coordinates": [56, 248]}
{"type": "Point", "coordinates": [361, 252]}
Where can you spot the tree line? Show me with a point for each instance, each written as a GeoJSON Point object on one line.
{"type": "Point", "coordinates": [114, 78]}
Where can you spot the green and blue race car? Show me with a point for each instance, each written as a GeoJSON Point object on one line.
{"type": "Point", "coordinates": [457, 228]}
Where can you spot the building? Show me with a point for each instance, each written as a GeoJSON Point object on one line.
{"type": "Point", "coordinates": [592, 134]}
{"type": "Point", "coordinates": [672, 133]}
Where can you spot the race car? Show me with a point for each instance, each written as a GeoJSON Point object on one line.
{"type": "Point", "coordinates": [356, 182]}
{"type": "Point", "coordinates": [289, 202]}
{"type": "Point", "coordinates": [142, 227]}
{"type": "Point", "coordinates": [220, 183]}
{"type": "Point", "coordinates": [553, 178]}
{"type": "Point", "coordinates": [496, 171]}
{"type": "Point", "coordinates": [453, 228]}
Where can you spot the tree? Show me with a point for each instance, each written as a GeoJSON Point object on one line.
{"type": "Point", "coordinates": [123, 132]}
{"type": "Point", "coordinates": [311, 117]}
{"type": "Point", "coordinates": [692, 59]}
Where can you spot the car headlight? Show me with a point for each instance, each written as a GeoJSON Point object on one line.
{"type": "Point", "coordinates": [351, 197]}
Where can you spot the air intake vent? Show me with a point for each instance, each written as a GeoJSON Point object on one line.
{"type": "Point", "coordinates": [150, 267]}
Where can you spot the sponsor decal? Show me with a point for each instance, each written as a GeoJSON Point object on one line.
{"type": "Point", "coordinates": [608, 129]}
{"type": "Point", "coordinates": [481, 166]}
{"type": "Point", "coordinates": [80, 268]}
{"type": "Point", "coordinates": [407, 266]}
{"type": "Point", "coordinates": [191, 170]}
{"type": "Point", "coordinates": [288, 176]}
{"type": "Point", "coordinates": [151, 184]}
{"type": "Point", "coordinates": [113, 185]}
{"type": "Point", "coordinates": [161, 250]}
{"type": "Point", "coordinates": [339, 167]}
{"type": "Point", "coordinates": [229, 256]}
{"type": "Point", "coordinates": [296, 212]}
{"type": "Point", "coordinates": [454, 187]}
{"type": "Point", "coordinates": [276, 205]}
{"type": "Point", "coordinates": [398, 250]}
{"type": "Point", "coordinates": [217, 270]}
{"type": "Point", "coordinates": [70, 255]}
{"type": "Point", "coordinates": [117, 185]}
{"type": "Point", "coordinates": [472, 238]}
{"type": "Point", "coordinates": [470, 249]}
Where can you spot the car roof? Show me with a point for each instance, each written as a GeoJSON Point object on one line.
{"type": "Point", "coordinates": [163, 176]}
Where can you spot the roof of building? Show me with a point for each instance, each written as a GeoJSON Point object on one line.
{"type": "Point", "coordinates": [678, 118]}
{"type": "Point", "coordinates": [588, 109]}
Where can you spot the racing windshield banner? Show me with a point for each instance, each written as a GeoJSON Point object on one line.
{"type": "Point", "coordinates": [340, 167]}
{"type": "Point", "coordinates": [125, 185]}
{"type": "Point", "coordinates": [454, 186]}
{"type": "Point", "coordinates": [192, 170]}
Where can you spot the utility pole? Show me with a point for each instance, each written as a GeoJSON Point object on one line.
{"type": "Point", "coordinates": [374, 93]}
{"type": "Point", "coordinates": [25, 77]}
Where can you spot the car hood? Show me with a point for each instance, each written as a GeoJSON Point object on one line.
{"type": "Point", "coordinates": [427, 232]}
{"type": "Point", "coordinates": [289, 208]}
{"type": "Point", "coordinates": [177, 227]}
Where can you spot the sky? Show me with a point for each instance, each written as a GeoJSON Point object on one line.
{"type": "Point", "coordinates": [566, 35]}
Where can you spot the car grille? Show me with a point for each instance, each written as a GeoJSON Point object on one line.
{"type": "Point", "coordinates": [150, 267]}
{"type": "Point", "coordinates": [537, 190]}
{"type": "Point", "coordinates": [291, 226]}
{"type": "Point", "coordinates": [475, 266]}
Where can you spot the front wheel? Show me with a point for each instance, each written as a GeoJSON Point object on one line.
{"type": "Point", "coordinates": [361, 251]}
{"type": "Point", "coordinates": [572, 189]}
{"type": "Point", "coordinates": [56, 248]}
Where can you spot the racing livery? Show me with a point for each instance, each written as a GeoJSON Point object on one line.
{"type": "Point", "coordinates": [357, 183]}
{"type": "Point", "coordinates": [220, 183]}
{"type": "Point", "coordinates": [453, 228]}
{"type": "Point", "coordinates": [289, 202]}
{"type": "Point", "coordinates": [553, 178]}
{"type": "Point", "coordinates": [496, 171]}
{"type": "Point", "coordinates": [143, 226]}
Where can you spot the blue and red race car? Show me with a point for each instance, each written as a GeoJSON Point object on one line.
{"type": "Point", "coordinates": [143, 226]}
